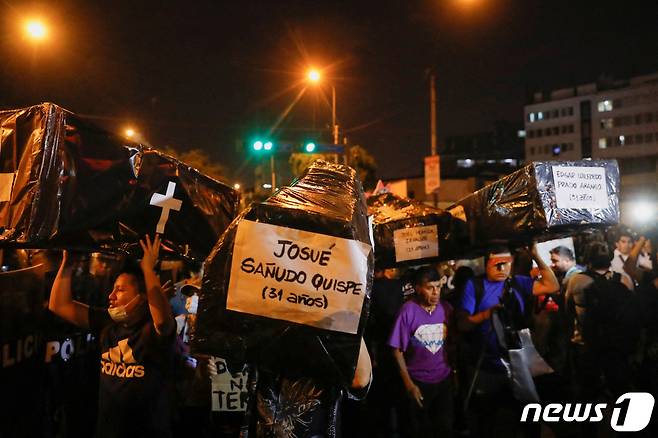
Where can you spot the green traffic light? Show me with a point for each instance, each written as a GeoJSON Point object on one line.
{"type": "Point", "coordinates": [258, 145]}
{"type": "Point", "coordinates": [310, 147]}
{"type": "Point", "coordinates": [267, 146]}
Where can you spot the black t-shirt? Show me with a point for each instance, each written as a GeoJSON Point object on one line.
{"type": "Point", "coordinates": [136, 368]}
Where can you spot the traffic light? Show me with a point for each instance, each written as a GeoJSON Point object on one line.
{"type": "Point", "coordinates": [262, 146]}
{"type": "Point", "coordinates": [312, 147]}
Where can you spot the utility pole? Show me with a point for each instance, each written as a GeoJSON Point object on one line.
{"type": "Point", "coordinates": [435, 195]}
{"type": "Point", "coordinates": [433, 110]}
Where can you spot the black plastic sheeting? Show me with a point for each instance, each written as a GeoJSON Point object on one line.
{"type": "Point", "coordinates": [67, 183]}
{"type": "Point", "coordinates": [328, 199]}
{"type": "Point", "coordinates": [543, 200]}
{"type": "Point", "coordinates": [392, 213]}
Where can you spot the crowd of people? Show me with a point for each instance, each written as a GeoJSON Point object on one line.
{"type": "Point", "coordinates": [450, 372]}
{"type": "Point", "coordinates": [436, 360]}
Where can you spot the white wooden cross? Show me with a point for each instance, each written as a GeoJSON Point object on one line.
{"type": "Point", "coordinates": [166, 202]}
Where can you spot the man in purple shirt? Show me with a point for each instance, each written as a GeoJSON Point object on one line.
{"type": "Point", "coordinates": [419, 347]}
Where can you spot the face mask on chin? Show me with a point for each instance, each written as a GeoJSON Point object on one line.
{"type": "Point", "coordinates": [127, 312]}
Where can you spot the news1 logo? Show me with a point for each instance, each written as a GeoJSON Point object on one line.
{"type": "Point", "coordinates": [631, 412]}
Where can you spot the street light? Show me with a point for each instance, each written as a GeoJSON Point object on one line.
{"type": "Point", "coordinates": [314, 77]}
{"type": "Point", "coordinates": [130, 133]}
{"type": "Point", "coordinates": [36, 30]}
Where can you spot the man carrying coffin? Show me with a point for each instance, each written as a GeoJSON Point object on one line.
{"type": "Point", "coordinates": [137, 340]}
{"type": "Point", "coordinates": [483, 355]}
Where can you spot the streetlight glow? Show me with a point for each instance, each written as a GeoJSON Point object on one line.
{"type": "Point", "coordinates": [129, 132]}
{"type": "Point", "coordinates": [36, 30]}
{"type": "Point", "coordinates": [313, 76]}
{"type": "Point", "coordinates": [236, 186]}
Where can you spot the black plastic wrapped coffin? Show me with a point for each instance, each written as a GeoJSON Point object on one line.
{"type": "Point", "coordinates": [287, 287]}
{"type": "Point", "coordinates": [408, 232]}
{"type": "Point", "coordinates": [544, 199]}
{"type": "Point", "coordinates": [67, 183]}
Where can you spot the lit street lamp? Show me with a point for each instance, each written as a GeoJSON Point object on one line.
{"type": "Point", "coordinates": [314, 76]}
{"type": "Point", "coordinates": [36, 30]}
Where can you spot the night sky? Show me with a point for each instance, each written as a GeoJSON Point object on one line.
{"type": "Point", "coordinates": [204, 74]}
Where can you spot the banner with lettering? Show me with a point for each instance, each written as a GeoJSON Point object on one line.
{"type": "Point", "coordinates": [229, 390]}
{"type": "Point", "coordinates": [580, 187]}
{"type": "Point", "coordinates": [416, 243]}
{"type": "Point", "coordinates": [298, 276]}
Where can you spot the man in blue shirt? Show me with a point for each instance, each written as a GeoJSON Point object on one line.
{"type": "Point", "coordinates": [481, 297]}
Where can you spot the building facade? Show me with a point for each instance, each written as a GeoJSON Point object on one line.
{"type": "Point", "coordinates": [604, 120]}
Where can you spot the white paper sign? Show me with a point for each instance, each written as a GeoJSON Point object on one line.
{"type": "Point", "coordinates": [229, 391]}
{"type": "Point", "coordinates": [416, 243]}
{"type": "Point", "coordinates": [298, 276]}
{"type": "Point", "coordinates": [580, 187]}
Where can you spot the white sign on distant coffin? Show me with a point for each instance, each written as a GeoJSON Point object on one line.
{"type": "Point", "coordinates": [580, 187]}
{"type": "Point", "coordinates": [298, 276]}
{"type": "Point", "coordinates": [416, 243]}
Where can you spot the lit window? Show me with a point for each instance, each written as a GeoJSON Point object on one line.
{"type": "Point", "coordinates": [557, 149]}
{"type": "Point", "coordinates": [512, 161]}
{"type": "Point", "coordinates": [607, 123]}
{"type": "Point", "coordinates": [521, 133]}
{"type": "Point", "coordinates": [603, 143]}
{"type": "Point", "coordinates": [622, 140]}
{"type": "Point", "coordinates": [531, 117]}
{"type": "Point", "coordinates": [465, 163]}
{"type": "Point", "coordinates": [605, 105]}
{"type": "Point", "coordinates": [540, 116]}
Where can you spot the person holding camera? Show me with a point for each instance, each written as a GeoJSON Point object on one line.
{"type": "Point", "coordinates": [485, 373]}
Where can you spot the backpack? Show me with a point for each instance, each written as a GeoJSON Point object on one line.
{"type": "Point", "coordinates": [610, 320]}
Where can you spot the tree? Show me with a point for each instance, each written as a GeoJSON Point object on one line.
{"type": "Point", "coordinates": [299, 161]}
{"type": "Point", "coordinates": [199, 160]}
{"type": "Point", "coordinates": [365, 166]}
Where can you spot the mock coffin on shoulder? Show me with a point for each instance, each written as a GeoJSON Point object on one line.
{"type": "Point", "coordinates": [67, 183]}
{"type": "Point", "coordinates": [287, 287]}
{"type": "Point", "coordinates": [408, 232]}
{"type": "Point", "coordinates": [544, 199]}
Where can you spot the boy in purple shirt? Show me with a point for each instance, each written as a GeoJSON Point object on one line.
{"type": "Point", "coordinates": [419, 347]}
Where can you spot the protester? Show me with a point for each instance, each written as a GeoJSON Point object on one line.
{"type": "Point", "coordinates": [137, 339]}
{"type": "Point", "coordinates": [603, 334]}
{"type": "Point", "coordinates": [487, 373]}
{"type": "Point", "coordinates": [623, 245]}
{"type": "Point", "coordinates": [288, 405]}
{"type": "Point", "coordinates": [563, 263]}
{"type": "Point", "coordinates": [420, 349]}
{"type": "Point", "coordinates": [383, 401]}
{"type": "Point", "coordinates": [646, 374]}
